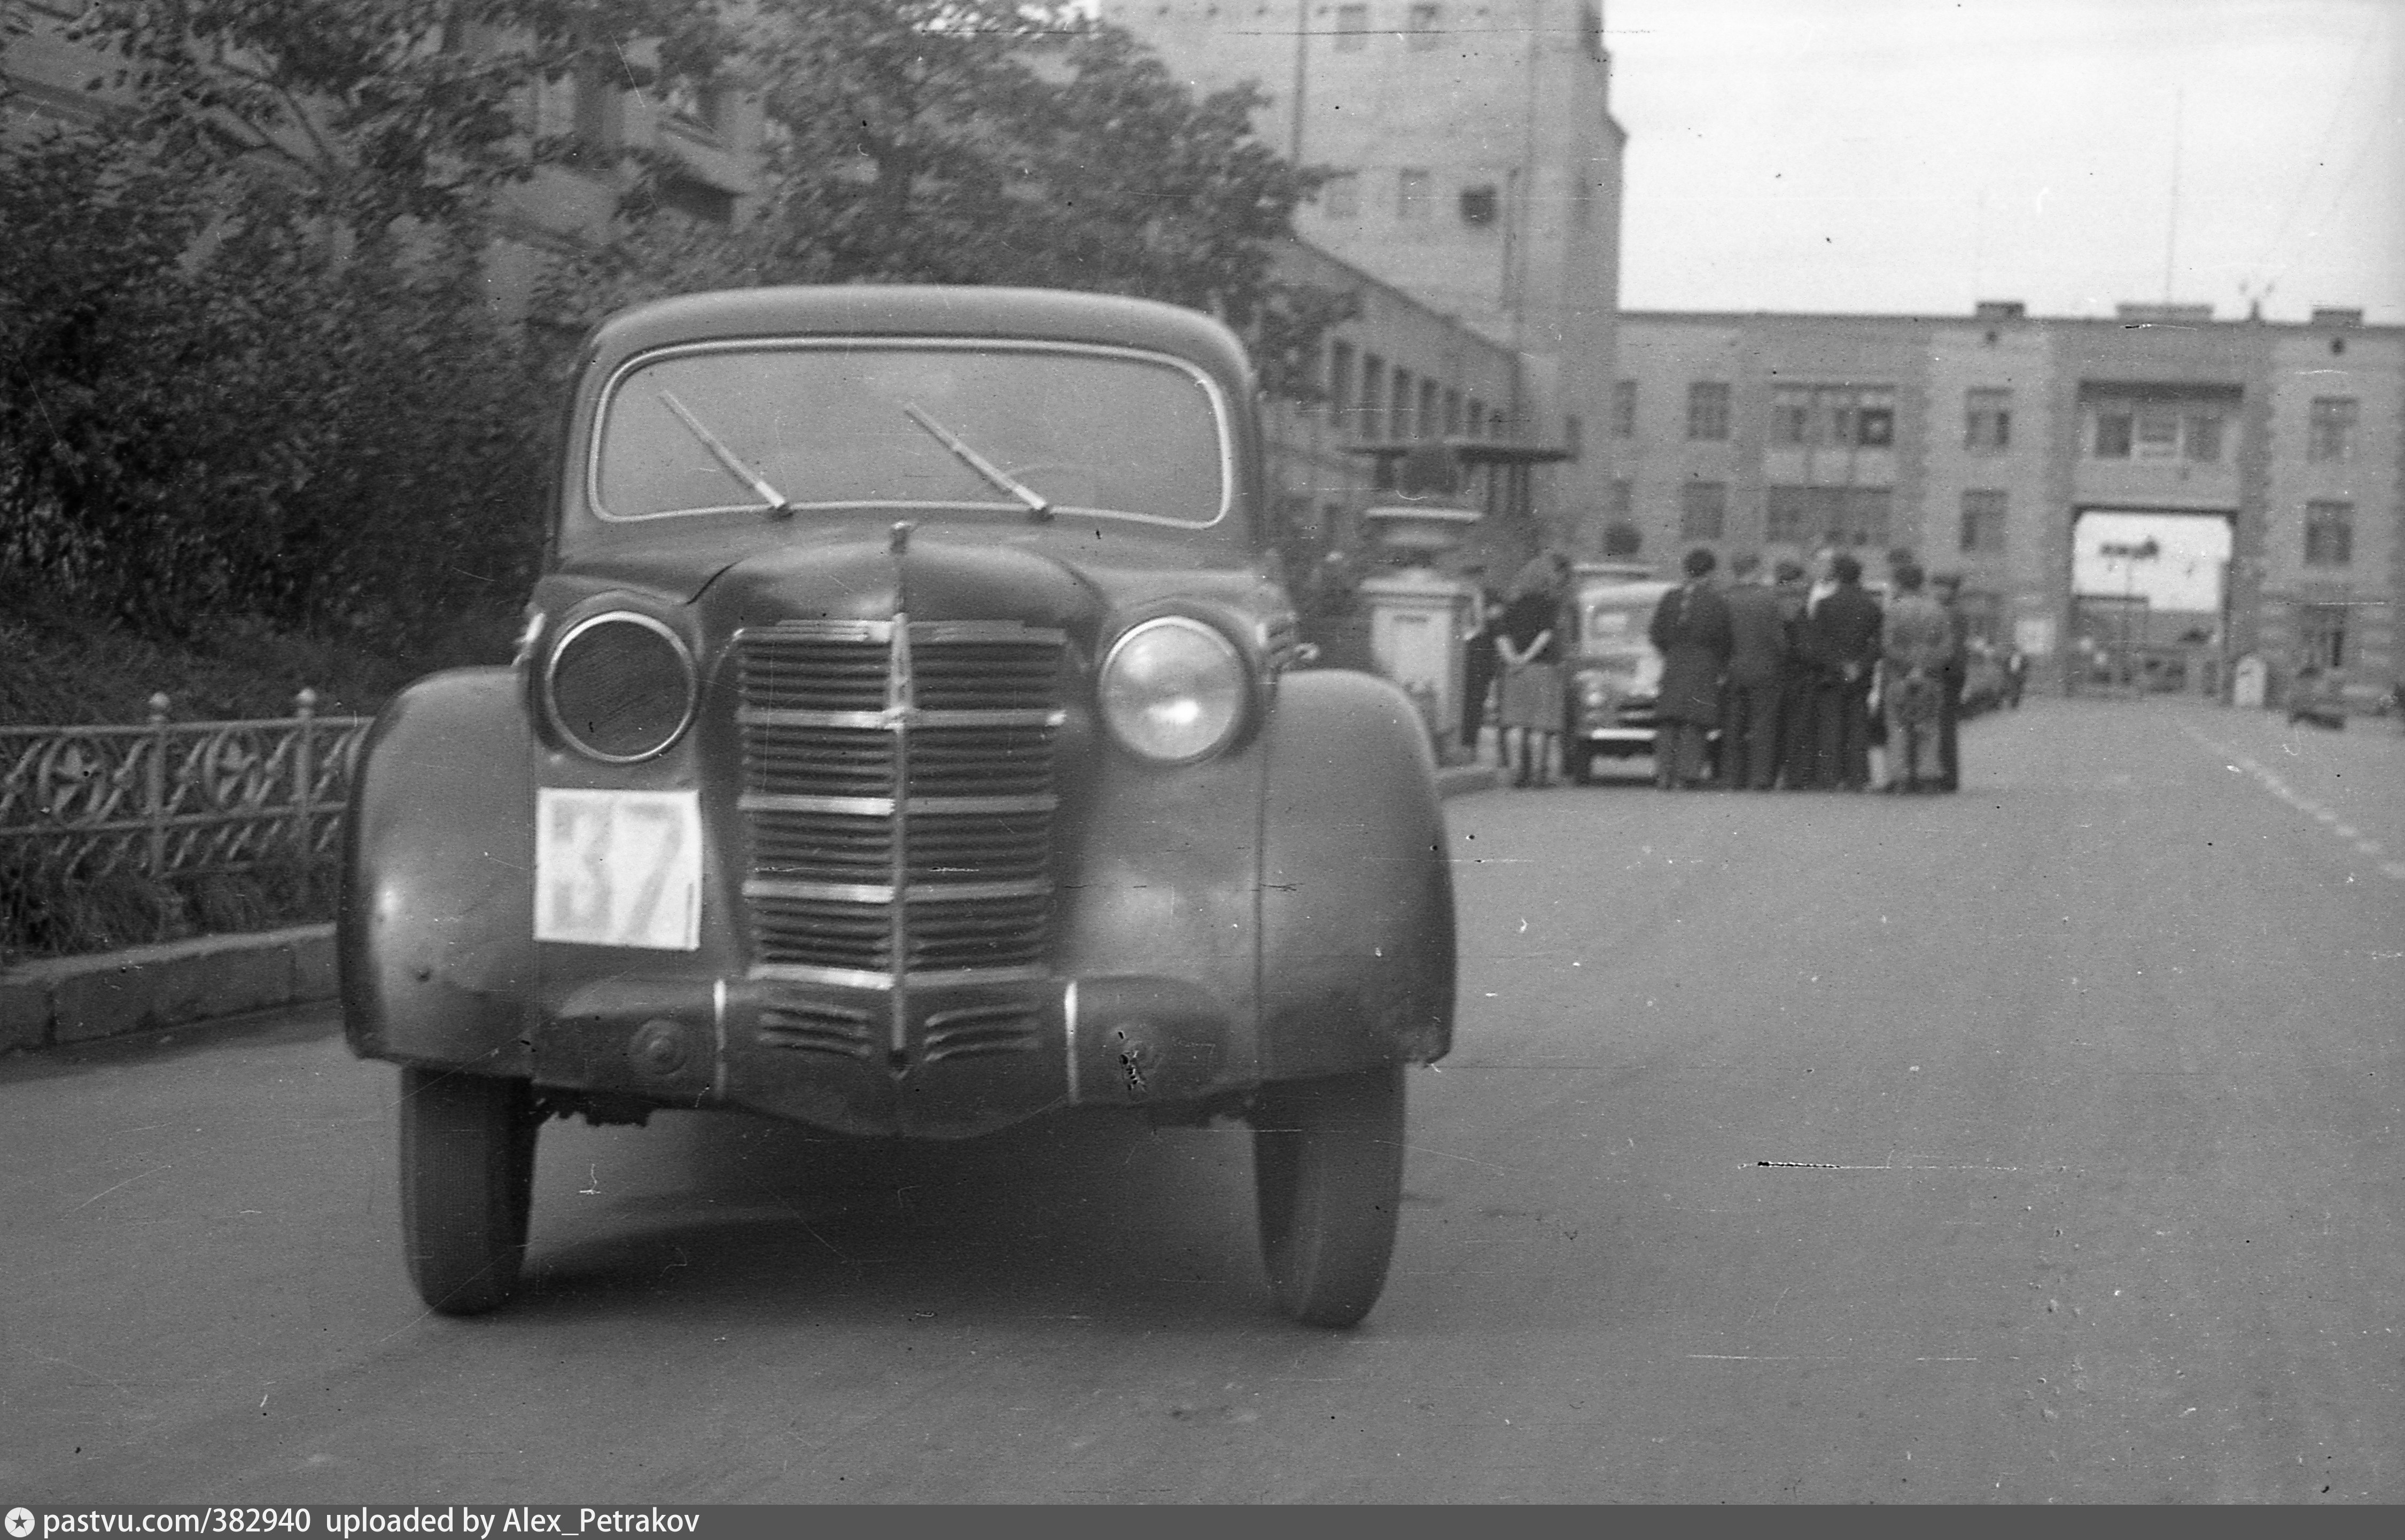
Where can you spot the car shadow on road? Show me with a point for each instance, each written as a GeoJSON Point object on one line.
{"type": "Point", "coordinates": [1098, 1216]}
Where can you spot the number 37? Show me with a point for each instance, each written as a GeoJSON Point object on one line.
{"type": "Point", "coordinates": [618, 867]}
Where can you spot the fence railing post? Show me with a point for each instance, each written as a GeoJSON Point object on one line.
{"type": "Point", "coordinates": [304, 769]}
{"type": "Point", "coordinates": [155, 788]}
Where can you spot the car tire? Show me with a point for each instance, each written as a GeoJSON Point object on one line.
{"type": "Point", "coordinates": [1577, 766]}
{"type": "Point", "coordinates": [467, 1183]}
{"type": "Point", "coordinates": [1328, 1174]}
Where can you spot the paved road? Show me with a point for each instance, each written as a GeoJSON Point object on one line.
{"type": "Point", "coordinates": [2038, 1143]}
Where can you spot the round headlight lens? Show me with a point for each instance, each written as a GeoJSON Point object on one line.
{"type": "Point", "coordinates": [620, 687]}
{"type": "Point", "coordinates": [1174, 689]}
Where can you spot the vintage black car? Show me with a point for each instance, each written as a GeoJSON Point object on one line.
{"type": "Point", "coordinates": [908, 739]}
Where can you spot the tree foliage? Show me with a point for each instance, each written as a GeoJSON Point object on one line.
{"type": "Point", "coordinates": [246, 363]}
{"type": "Point", "coordinates": [205, 413]}
{"type": "Point", "coordinates": [377, 110]}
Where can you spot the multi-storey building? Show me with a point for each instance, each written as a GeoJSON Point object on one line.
{"type": "Point", "coordinates": [2273, 452]}
{"type": "Point", "coordinates": [1476, 168]}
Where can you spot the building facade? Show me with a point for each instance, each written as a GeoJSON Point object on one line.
{"type": "Point", "coordinates": [1476, 167]}
{"type": "Point", "coordinates": [2030, 453]}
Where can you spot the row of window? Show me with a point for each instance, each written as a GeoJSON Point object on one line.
{"type": "Point", "coordinates": [1423, 24]}
{"type": "Point", "coordinates": [1864, 417]}
{"type": "Point", "coordinates": [1861, 515]}
{"type": "Point", "coordinates": [1416, 199]}
{"type": "Point", "coordinates": [1368, 398]}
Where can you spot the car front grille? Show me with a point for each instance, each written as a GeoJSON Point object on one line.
{"type": "Point", "coordinates": [898, 800]}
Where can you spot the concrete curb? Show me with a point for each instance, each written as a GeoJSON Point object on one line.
{"type": "Point", "coordinates": [63, 1000]}
{"type": "Point", "coordinates": [60, 1001]}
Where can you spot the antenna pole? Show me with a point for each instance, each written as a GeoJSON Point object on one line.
{"type": "Point", "coordinates": [2171, 236]}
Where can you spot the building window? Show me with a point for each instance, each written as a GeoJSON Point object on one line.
{"type": "Point", "coordinates": [1843, 415]}
{"type": "Point", "coordinates": [1398, 418]}
{"type": "Point", "coordinates": [1573, 431]}
{"type": "Point", "coordinates": [2155, 434]}
{"type": "Point", "coordinates": [1707, 411]}
{"type": "Point", "coordinates": [1340, 384]}
{"type": "Point", "coordinates": [2158, 431]}
{"type": "Point", "coordinates": [1703, 509]}
{"type": "Point", "coordinates": [1624, 497]}
{"type": "Point", "coordinates": [600, 114]}
{"type": "Point", "coordinates": [698, 200]}
{"type": "Point", "coordinates": [2330, 433]}
{"type": "Point", "coordinates": [1987, 422]}
{"type": "Point", "coordinates": [1863, 425]}
{"type": "Point", "coordinates": [1428, 427]}
{"type": "Point", "coordinates": [1839, 515]}
{"type": "Point", "coordinates": [2321, 634]}
{"type": "Point", "coordinates": [1864, 514]}
{"type": "Point", "coordinates": [2329, 534]}
{"type": "Point", "coordinates": [1413, 192]}
{"type": "Point", "coordinates": [1478, 205]}
{"type": "Point", "coordinates": [1340, 196]}
{"type": "Point", "coordinates": [1419, 23]}
{"type": "Point", "coordinates": [1787, 513]}
{"type": "Point", "coordinates": [1452, 412]}
{"type": "Point", "coordinates": [1352, 28]}
{"type": "Point", "coordinates": [2112, 439]}
{"type": "Point", "coordinates": [1373, 393]}
{"type": "Point", "coordinates": [1983, 523]}
{"type": "Point", "coordinates": [1624, 409]}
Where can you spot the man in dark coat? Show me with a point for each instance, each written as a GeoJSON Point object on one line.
{"type": "Point", "coordinates": [1842, 636]}
{"type": "Point", "coordinates": [1795, 680]}
{"type": "Point", "coordinates": [1477, 660]}
{"type": "Point", "coordinates": [1947, 588]}
{"type": "Point", "coordinates": [1757, 663]}
{"type": "Point", "coordinates": [1690, 631]}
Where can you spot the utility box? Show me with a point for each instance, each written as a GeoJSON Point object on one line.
{"type": "Point", "coordinates": [1419, 616]}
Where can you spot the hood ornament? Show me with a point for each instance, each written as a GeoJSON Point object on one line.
{"type": "Point", "coordinates": [899, 541]}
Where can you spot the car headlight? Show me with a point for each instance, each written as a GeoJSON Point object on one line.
{"type": "Point", "coordinates": [620, 687]}
{"type": "Point", "coordinates": [1174, 689]}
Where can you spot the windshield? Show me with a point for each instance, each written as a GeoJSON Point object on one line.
{"type": "Point", "coordinates": [799, 427]}
{"type": "Point", "coordinates": [1617, 626]}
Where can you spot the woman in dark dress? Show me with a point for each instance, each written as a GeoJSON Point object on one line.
{"type": "Point", "coordinates": [1529, 649]}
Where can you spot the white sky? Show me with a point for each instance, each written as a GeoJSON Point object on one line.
{"type": "Point", "coordinates": [1898, 156]}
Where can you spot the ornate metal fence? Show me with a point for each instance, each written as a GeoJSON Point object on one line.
{"type": "Point", "coordinates": [168, 798]}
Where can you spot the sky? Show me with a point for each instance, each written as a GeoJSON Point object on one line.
{"type": "Point", "coordinates": [1914, 156]}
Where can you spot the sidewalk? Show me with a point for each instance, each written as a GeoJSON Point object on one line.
{"type": "Point", "coordinates": [64, 1000]}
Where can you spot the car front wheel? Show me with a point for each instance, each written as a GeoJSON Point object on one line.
{"type": "Point", "coordinates": [467, 1182]}
{"type": "Point", "coordinates": [1327, 1172]}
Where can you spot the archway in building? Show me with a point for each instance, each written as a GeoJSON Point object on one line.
{"type": "Point", "coordinates": [2149, 600]}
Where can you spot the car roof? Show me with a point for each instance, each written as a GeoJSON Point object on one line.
{"type": "Point", "coordinates": [922, 310]}
{"type": "Point", "coordinates": [1649, 591]}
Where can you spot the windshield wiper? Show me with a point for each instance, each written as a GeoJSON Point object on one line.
{"type": "Point", "coordinates": [1000, 478]}
{"type": "Point", "coordinates": [776, 506]}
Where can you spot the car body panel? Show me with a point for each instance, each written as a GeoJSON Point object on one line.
{"type": "Point", "coordinates": [1117, 932]}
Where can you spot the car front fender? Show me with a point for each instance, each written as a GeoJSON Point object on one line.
{"type": "Point", "coordinates": [435, 932]}
{"type": "Point", "coordinates": [1357, 882]}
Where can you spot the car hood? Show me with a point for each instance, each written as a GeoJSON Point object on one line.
{"type": "Point", "coordinates": [953, 572]}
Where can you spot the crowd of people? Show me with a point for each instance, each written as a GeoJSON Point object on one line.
{"type": "Point", "coordinates": [1802, 682]}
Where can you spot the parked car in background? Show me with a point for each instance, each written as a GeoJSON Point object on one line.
{"type": "Point", "coordinates": [1614, 674]}
{"type": "Point", "coordinates": [906, 739]}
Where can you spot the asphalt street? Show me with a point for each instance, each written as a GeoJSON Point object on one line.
{"type": "Point", "coordinates": [2036, 1143]}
